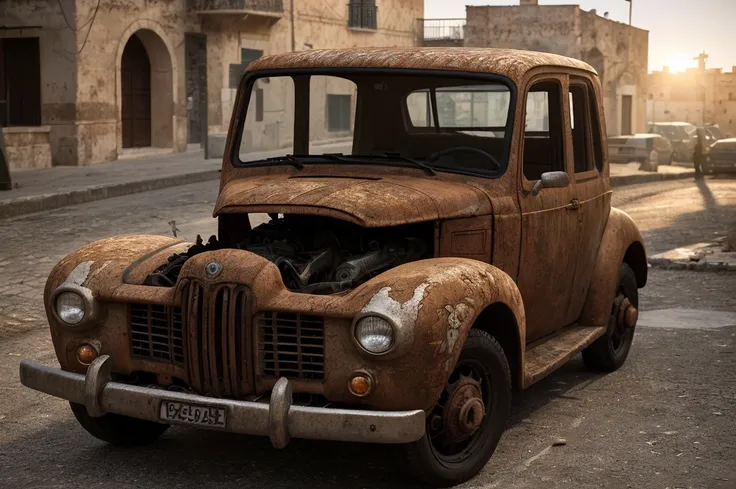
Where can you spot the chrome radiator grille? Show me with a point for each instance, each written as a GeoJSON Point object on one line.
{"type": "Point", "coordinates": [290, 345]}
{"type": "Point", "coordinates": [157, 333]}
{"type": "Point", "coordinates": [217, 323]}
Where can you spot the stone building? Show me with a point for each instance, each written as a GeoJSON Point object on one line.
{"type": "Point", "coordinates": [88, 81]}
{"type": "Point", "coordinates": [697, 95]}
{"type": "Point", "coordinates": [617, 51]}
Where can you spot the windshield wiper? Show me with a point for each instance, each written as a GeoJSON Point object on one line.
{"type": "Point", "coordinates": [293, 160]}
{"type": "Point", "coordinates": [383, 156]}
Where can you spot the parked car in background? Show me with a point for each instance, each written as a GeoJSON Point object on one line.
{"type": "Point", "coordinates": [714, 133]}
{"type": "Point", "coordinates": [680, 134]}
{"type": "Point", "coordinates": [651, 150]}
{"type": "Point", "coordinates": [721, 157]}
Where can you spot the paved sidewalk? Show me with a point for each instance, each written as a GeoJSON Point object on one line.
{"type": "Point", "coordinates": [713, 256]}
{"type": "Point", "coordinates": [40, 190]}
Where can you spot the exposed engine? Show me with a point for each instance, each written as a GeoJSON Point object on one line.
{"type": "Point", "coordinates": [316, 255]}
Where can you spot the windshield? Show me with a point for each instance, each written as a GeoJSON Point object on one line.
{"type": "Point", "coordinates": [436, 123]}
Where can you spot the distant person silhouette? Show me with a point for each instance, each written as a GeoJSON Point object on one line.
{"type": "Point", "coordinates": [699, 153]}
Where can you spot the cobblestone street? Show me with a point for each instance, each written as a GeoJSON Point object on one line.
{"type": "Point", "coordinates": [664, 420]}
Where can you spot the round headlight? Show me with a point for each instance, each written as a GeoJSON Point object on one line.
{"type": "Point", "coordinates": [70, 307]}
{"type": "Point", "coordinates": [374, 334]}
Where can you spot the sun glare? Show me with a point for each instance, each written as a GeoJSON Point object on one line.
{"type": "Point", "coordinates": [680, 62]}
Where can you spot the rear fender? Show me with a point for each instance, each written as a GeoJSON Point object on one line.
{"type": "Point", "coordinates": [621, 243]}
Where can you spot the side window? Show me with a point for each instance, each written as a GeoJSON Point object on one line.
{"type": "Point", "coordinates": [580, 123]}
{"type": "Point", "coordinates": [419, 105]}
{"type": "Point", "coordinates": [582, 93]}
{"type": "Point", "coordinates": [543, 135]}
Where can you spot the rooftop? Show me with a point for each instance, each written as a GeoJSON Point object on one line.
{"type": "Point", "coordinates": [508, 62]}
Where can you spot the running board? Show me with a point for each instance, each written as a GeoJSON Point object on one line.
{"type": "Point", "coordinates": [549, 354]}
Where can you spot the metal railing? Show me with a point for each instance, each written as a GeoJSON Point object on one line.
{"type": "Point", "coordinates": [362, 16]}
{"type": "Point", "coordinates": [274, 6]}
{"type": "Point", "coordinates": [442, 29]}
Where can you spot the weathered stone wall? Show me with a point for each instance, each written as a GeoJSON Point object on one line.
{"type": "Point", "coordinates": [27, 148]}
{"type": "Point", "coordinates": [161, 25]}
{"type": "Point", "coordinates": [620, 54]}
{"type": "Point", "coordinates": [81, 85]}
{"type": "Point", "coordinates": [545, 28]}
{"type": "Point", "coordinates": [57, 44]}
{"type": "Point", "coordinates": [693, 96]}
{"type": "Point", "coordinates": [569, 31]}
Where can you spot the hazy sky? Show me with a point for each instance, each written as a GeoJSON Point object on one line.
{"type": "Point", "coordinates": [678, 29]}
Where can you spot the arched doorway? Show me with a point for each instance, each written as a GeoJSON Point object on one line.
{"type": "Point", "coordinates": [135, 78]}
{"type": "Point", "coordinates": [147, 91]}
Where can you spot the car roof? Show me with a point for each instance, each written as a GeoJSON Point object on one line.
{"type": "Point", "coordinates": [512, 63]}
{"type": "Point", "coordinates": [671, 124]}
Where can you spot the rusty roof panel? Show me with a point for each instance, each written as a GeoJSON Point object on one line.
{"type": "Point", "coordinates": [509, 62]}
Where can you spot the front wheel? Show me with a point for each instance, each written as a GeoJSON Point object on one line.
{"type": "Point", "coordinates": [610, 351]}
{"type": "Point", "coordinates": [117, 429]}
{"type": "Point", "coordinates": [465, 426]}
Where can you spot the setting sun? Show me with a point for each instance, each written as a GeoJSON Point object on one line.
{"type": "Point", "coordinates": [680, 62]}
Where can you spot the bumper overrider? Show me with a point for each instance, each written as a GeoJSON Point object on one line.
{"type": "Point", "coordinates": [277, 419]}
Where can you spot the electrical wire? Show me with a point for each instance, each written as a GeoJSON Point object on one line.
{"type": "Point", "coordinates": [91, 23]}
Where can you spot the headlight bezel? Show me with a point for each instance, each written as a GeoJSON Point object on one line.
{"type": "Point", "coordinates": [90, 306]}
{"type": "Point", "coordinates": [399, 336]}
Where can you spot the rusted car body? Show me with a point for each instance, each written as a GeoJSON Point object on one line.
{"type": "Point", "coordinates": [527, 257]}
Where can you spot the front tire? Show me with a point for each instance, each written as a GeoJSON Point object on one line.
{"type": "Point", "coordinates": [443, 458]}
{"type": "Point", "coordinates": [609, 352]}
{"type": "Point", "coordinates": [117, 429]}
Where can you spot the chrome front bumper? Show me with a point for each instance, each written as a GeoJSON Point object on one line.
{"type": "Point", "coordinates": [279, 419]}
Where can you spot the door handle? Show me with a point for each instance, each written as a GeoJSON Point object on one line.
{"type": "Point", "coordinates": [574, 204]}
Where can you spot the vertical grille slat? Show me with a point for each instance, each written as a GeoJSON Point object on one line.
{"type": "Point", "coordinates": [156, 333]}
{"type": "Point", "coordinates": [290, 345]}
{"type": "Point", "coordinates": [218, 362]}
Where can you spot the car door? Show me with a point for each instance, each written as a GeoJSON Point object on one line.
{"type": "Point", "coordinates": [550, 219]}
{"type": "Point", "coordinates": [590, 182]}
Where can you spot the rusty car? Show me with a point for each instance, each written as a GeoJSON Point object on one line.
{"type": "Point", "coordinates": [405, 237]}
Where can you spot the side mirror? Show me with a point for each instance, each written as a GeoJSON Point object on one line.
{"type": "Point", "coordinates": [551, 179]}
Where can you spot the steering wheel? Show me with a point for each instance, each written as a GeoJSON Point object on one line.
{"type": "Point", "coordinates": [465, 150]}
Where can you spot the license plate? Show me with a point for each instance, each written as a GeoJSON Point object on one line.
{"type": "Point", "coordinates": [195, 414]}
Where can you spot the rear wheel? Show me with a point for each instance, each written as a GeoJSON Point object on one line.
{"type": "Point", "coordinates": [117, 429]}
{"type": "Point", "coordinates": [465, 426]}
{"type": "Point", "coordinates": [610, 351]}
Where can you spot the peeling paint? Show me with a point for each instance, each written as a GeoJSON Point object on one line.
{"type": "Point", "coordinates": [99, 270]}
{"type": "Point", "coordinates": [456, 316]}
{"type": "Point", "coordinates": [402, 314]}
{"type": "Point", "coordinates": [79, 275]}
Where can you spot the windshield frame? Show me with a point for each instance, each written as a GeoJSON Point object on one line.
{"type": "Point", "coordinates": [246, 91]}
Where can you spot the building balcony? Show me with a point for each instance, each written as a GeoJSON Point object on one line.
{"type": "Point", "coordinates": [441, 32]}
{"type": "Point", "coordinates": [267, 10]}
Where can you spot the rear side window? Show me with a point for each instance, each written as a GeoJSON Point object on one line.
{"type": "Point", "coordinates": [586, 128]}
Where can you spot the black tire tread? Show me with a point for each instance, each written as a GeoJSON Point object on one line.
{"type": "Point", "coordinates": [598, 357]}
{"type": "Point", "coordinates": [413, 457]}
{"type": "Point", "coordinates": [117, 429]}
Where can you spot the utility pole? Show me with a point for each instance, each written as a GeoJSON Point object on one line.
{"type": "Point", "coordinates": [631, 8]}
{"type": "Point", "coordinates": [5, 183]}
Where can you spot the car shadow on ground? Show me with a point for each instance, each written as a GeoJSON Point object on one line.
{"type": "Point", "coordinates": [186, 457]}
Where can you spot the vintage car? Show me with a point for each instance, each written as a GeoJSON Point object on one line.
{"type": "Point", "coordinates": [721, 157]}
{"type": "Point", "coordinates": [461, 244]}
{"type": "Point", "coordinates": [682, 135]}
{"type": "Point", "coordinates": [651, 150]}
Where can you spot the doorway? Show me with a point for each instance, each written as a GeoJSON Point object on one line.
{"type": "Point", "coordinates": [627, 104]}
{"type": "Point", "coordinates": [136, 95]}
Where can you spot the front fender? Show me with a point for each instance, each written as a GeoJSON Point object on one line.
{"type": "Point", "coordinates": [438, 301]}
{"type": "Point", "coordinates": [621, 242]}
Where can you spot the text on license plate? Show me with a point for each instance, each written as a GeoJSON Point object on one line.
{"type": "Point", "coordinates": [196, 414]}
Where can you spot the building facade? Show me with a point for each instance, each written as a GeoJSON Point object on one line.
{"type": "Point", "coordinates": [617, 51]}
{"type": "Point", "coordinates": [89, 81]}
{"type": "Point", "coordinates": [697, 96]}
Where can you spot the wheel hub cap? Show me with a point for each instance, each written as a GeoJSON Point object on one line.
{"type": "Point", "coordinates": [465, 410]}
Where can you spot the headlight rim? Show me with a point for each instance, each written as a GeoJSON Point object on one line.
{"type": "Point", "coordinates": [396, 331]}
{"type": "Point", "coordinates": [90, 306]}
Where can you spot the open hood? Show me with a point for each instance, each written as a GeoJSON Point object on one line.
{"type": "Point", "coordinates": [369, 201]}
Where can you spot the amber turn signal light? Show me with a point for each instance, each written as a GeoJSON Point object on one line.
{"type": "Point", "coordinates": [86, 354]}
{"type": "Point", "coordinates": [360, 385]}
